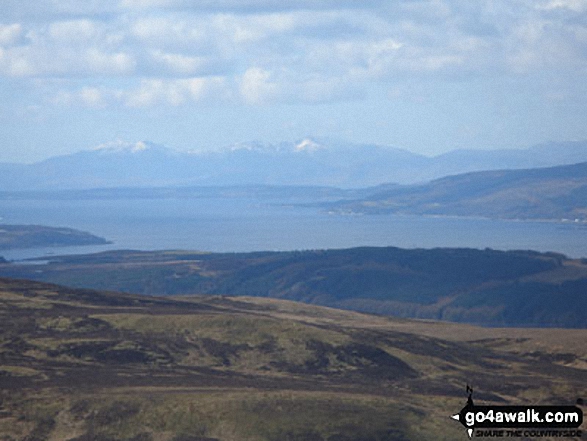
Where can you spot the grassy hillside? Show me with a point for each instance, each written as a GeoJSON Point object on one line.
{"type": "Point", "coordinates": [547, 193]}
{"type": "Point", "coordinates": [488, 287]}
{"type": "Point", "coordinates": [89, 365]}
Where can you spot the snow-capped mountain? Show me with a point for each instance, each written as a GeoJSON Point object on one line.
{"type": "Point", "coordinates": [127, 148]}
{"type": "Point", "coordinates": [307, 161]}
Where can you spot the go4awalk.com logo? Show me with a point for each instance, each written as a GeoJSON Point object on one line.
{"type": "Point", "coordinates": [520, 421]}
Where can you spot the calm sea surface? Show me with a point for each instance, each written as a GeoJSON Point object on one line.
{"type": "Point", "coordinates": [254, 225]}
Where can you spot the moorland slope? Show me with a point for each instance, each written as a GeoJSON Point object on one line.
{"type": "Point", "coordinates": [89, 365]}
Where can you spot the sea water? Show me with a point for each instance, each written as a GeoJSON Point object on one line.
{"type": "Point", "coordinates": [248, 224]}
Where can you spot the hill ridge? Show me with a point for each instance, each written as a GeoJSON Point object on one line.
{"type": "Point", "coordinates": [488, 287]}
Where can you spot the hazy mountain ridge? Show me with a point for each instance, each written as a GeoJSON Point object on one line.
{"type": "Point", "coordinates": [555, 193]}
{"type": "Point", "coordinates": [266, 193]}
{"type": "Point", "coordinates": [304, 162]}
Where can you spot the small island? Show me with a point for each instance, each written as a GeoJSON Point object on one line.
{"type": "Point", "coordinates": [36, 236]}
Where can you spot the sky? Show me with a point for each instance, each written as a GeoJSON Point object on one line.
{"type": "Point", "coordinates": [429, 76]}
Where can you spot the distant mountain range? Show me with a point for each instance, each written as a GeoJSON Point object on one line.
{"type": "Point", "coordinates": [558, 193]}
{"type": "Point", "coordinates": [305, 162]}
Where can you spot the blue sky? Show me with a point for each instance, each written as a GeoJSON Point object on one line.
{"type": "Point", "coordinates": [426, 75]}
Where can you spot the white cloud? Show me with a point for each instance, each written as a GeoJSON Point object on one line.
{"type": "Point", "coordinates": [169, 30]}
{"type": "Point", "coordinates": [81, 7]}
{"type": "Point", "coordinates": [378, 57]}
{"type": "Point", "coordinates": [174, 92]}
{"type": "Point", "coordinates": [325, 90]}
{"type": "Point", "coordinates": [151, 92]}
{"type": "Point", "coordinates": [91, 97]}
{"type": "Point", "coordinates": [256, 86]}
{"type": "Point", "coordinates": [145, 4]}
{"type": "Point", "coordinates": [35, 62]}
{"type": "Point", "coordinates": [74, 31]}
{"type": "Point", "coordinates": [64, 48]}
{"type": "Point", "coordinates": [44, 11]}
{"type": "Point", "coordinates": [573, 5]}
{"type": "Point", "coordinates": [269, 51]}
{"type": "Point", "coordinates": [97, 61]}
{"type": "Point", "coordinates": [148, 92]}
{"type": "Point", "coordinates": [10, 34]}
{"type": "Point", "coordinates": [250, 29]}
{"type": "Point", "coordinates": [211, 33]}
{"type": "Point", "coordinates": [248, 6]}
{"type": "Point", "coordinates": [15, 62]}
{"type": "Point", "coordinates": [180, 64]}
